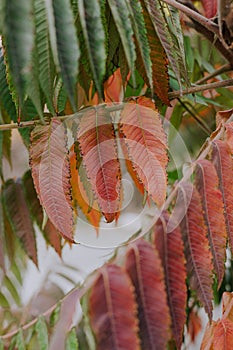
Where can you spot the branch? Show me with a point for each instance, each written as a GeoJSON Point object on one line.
{"type": "Point", "coordinates": [225, 68]}
{"type": "Point", "coordinates": [199, 88]}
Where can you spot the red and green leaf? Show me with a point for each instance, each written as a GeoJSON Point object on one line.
{"type": "Point", "coordinates": [51, 174]}
{"type": "Point", "coordinates": [206, 182]}
{"type": "Point", "coordinates": [146, 143]}
{"type": "Point", "coordinates": [171, 252]}
{"type": "Point", "coordinates": [19, 217]}
{"type": "Point", "coordinates": [97, 143]}
{"type": "Point", "coordinates": [79, 195]}
{"type": "Point", "coordinates": [198, 256]}
{"type": "Point", "coordinates": [144, 268]}
{"type": "Point", "coordinates": [159, 61]}
{"type": "Point", "coordinates": [222, 160]}
{"type": "Point", "coordinates": [113, 310]}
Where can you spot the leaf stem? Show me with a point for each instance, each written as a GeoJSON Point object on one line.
{"type": "Point", "coordinates": [225, 68]}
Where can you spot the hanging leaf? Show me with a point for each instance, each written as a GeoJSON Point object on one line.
{"type": "Point", "coordinates": [19, 217]}
{"type": "Point", "coordinates": [19, 35]}
{"type": "Point", "coordinates": [223, 335]}
{"type": "Point", "coordinates": [2, 255]}
{"type": "Point", "coordinates": [97, 142]}
{"type": "Point", "coordinates": [6, 101]}
{"type": "Point", "coordinates": [129, 164]}
{"type": "Point", "coordinates": [207, 186]}
{"type": "Point", "coordinates": [222, 160]}
{"type": "Point", "coordinates": [160, 21]}
{"type": "Point", "coordinates": [71, 340]}
{"type": "Point", "coordinates": [67, 47]}
{"type": "Point", "coordinates": [45, 61]}
{"type": "Point", "coordinates": [11, 289]}
{"type": "Point", "coordinates": [210, 8]}
{"type": "Point", "coordinates": [229, 133]}
{"type": "Point", "coordinates": [50, 232]}
{"type": "Point", "coordinates": [123, 23]}
{"type": "Point", "coordinates": [207, 341]}
{"type": "Point", "coordinates": [146, 143]}
{"type": "Point", "coordinates": [140, 31]}
{"type": "Point", "coordinates": [51, 174]}
{"type": "Point", "coordinates": [79, 195]}
{"type": "Point", "coordinates": [199, 266]}
{"type": "Point", "coordinates": [113, 310]}
{"type": "Point", "coordinates": [146, 273]}
{"type": "Point", "coordinates": [65, 321]}
{"type": "Point", "coordinates": [91, 21]}
{"type": "Point", "coordinates": [159, 61]}
{"type": "Point", "coordinates": [19, 340]}
{"type": "Point", "coordinates": [42, 333]}
{"type": "Point", "coordinates": [171, 252]}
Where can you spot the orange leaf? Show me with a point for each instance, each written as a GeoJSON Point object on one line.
{"type": "Point", "coordinates": [144, 268]}
{"type": "Point", "coordinates": [97, 143]}
{"type": "Point", "coordinates": [229, 134]}
{"type": "Point", "coordinates": [194, 325]}
{"type": "Point", "coordinates": [19, 217]}
{"type": "Point", "coordinates": [207, 184]}
{"type": "Point", "coordinates": [113, 87]}
{"type": "Point", "coordinates": [113, 310]}
{"type": "Point", "coordinates": [199, 264]}
{"type": "Point", "coordinates": [223, 335]}
{"type": "Point", "coordinates": [146, 143]}
{"type": "Point", "coordinates": [227, 305]}
{"type": "Point", "coordinates": [221, 157]}
{"type": "Point", "coordinates": [51, 174]}
{"type": "Point", "coordinates": [207, 341]}
{"type": "Point", "coordinates": [171, 252]}
{"type": "Point", "coordinates": [79, 194]}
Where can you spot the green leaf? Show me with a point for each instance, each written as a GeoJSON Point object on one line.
{"type": "Point", "coordinates": [71, 340]}
{"type": "Point", "coordinates": [93, 31]}
{"type": "Point", "coordinates": [33, 88]}
{"type": "Point", "coordinates": [42, 333]}
{"type": "Point", "coordinates": [3, 301]}
{"type": "Point", "coordinates": [20, 341]}
{"type": "Point", "coordinates": [160, 22]}
{"type": "Point", "coordinates": [6, 101]}
{"type": "Point", "coordinates": [67, 47]}
{"type": "Point", "coordinates": [12, 290]}
{"type": "Point", "coordinates": [141, 36]}
{"type": "Point", "coordinates": [1, 344]}
{"type": "Point", "coordinates": [123, 23]}
{"type": "Point", "coordinates": [45, 60]}
{"type": "Point", "coordinates": [18, 29]}
{"type": "Point", "coordinates": [55, 315]}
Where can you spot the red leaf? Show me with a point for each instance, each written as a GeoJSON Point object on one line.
{"type": "Point", "coordinates": [207, 184]}
{"type": "Point", "coordinates": [79, 194]}
{"type": "Point", "coordinates": [159, 61]}
{"type": "Point", "coordinates": [229, 134]}
{"type": "Point", "coordinates": [129, 164]}
{"type": "Point", "coordinates": [210, 8]}
{"type": "Point", "coordinates": [51, 174]}
{"type": "Point", "coordinates": [221, 157]}
{"type": "Point", "coordinates": [171, 252]}
{"type": "Point", "coordinates": [19, 217]}
{"type": "Point", "coordinates": [194, 325]}
{"type": "Point", "coordinates": [50, 232]}
{"type": "Point", "coordinates": [146, 143]}
{"type": "Point", "coordinates": [113, 310]}
{"type": "Point", "coordinates": [199, 264]}
{"type": "Point", "coordinates": [144, 268]}
{"type": "Point", "coordinates": [223, 335]}
{"type": "Point", "coordinates": [113, 87]}
{"type": "Point", "coordinates": [97, 142]}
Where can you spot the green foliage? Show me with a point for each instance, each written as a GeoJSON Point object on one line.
{"type": "Point", "coordinates": [42, 333]}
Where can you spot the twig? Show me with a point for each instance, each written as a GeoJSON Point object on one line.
{"type": "Point", "coordinates": [199, 88]}
{"type": "Point", "coordinates": [206, 22]}
{"type": "Point", "coordinates": [225, 68]}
